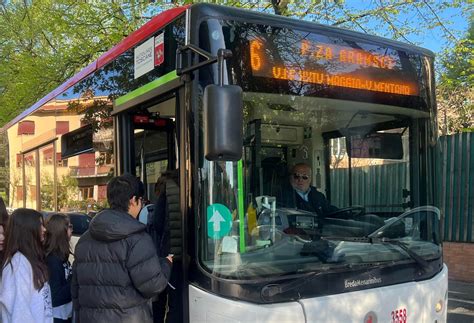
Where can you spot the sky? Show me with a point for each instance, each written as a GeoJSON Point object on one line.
{"type": "Point", "coordinates": [433, 39]}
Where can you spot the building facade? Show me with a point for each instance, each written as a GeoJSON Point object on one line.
{"type": "Point", "coordinates": [41, 175]}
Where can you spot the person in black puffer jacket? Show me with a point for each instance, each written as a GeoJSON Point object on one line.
{"type": "Point", "coordinates": [117, 269]}
{"type": "Point", "coordinates": [165, 226]}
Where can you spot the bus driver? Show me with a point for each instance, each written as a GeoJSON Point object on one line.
{"type": "Point", "coordinates": [303, 196]}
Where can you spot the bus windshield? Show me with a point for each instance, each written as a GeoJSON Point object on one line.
{"type": "Point", "coordinates": [329, 161]}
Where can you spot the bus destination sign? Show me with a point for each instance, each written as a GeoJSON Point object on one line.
{"type": "Point", "coordinates": [331, 65]}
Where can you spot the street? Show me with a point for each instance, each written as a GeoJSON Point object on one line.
{"type": "Point", "coordinates": [460, 302]}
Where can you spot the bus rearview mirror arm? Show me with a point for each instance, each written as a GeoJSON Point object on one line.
{"type": "Point", "coordinates": [210, 59]}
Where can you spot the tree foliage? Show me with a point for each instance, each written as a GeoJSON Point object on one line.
{"type": "Point", "coordinates": [45, 42]}
{"type": "Point", "coordinates": [67, 191]}
{"type": "Point", "coordinates": [458, 62]}
{"type": "Point", "coordinates": [455, 92]}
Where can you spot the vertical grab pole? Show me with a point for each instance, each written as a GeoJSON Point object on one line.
{"type": "Point", "coordinates": [240, 207]}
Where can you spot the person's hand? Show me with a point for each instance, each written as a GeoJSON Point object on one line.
{"type": "Point", "coordinates": [170, 258]}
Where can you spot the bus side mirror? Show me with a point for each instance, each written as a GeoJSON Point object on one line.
{"type": "Point", "coordinates": [223, 122]}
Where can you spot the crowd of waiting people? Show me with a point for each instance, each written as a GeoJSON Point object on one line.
{"type": "Point", "coordinates": [117, 269]}
{"type": "Point", "coordinates": [126, 266]}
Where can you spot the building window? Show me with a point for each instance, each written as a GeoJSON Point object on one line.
{"type": "Point", "coordinates": [62, 127]}
{"type": "Point", "coordinates": [30, 160]}
{"type": "Point", "coordinates": [87, 192]}
{"type": "Point", "coordinates": [60, 162]}
{"type": "Point", "coordinates": [19, 161]}
{"type": "Point", "coordinates": [26, 128]}
{"type": "Point", "coordinates": [19, 193]}
{"type": "Point", "coordinates": [106, 158]}
{"type": "Point", "coordinates": [33, 192]}
{"type": "Point", "coordinates": [48, 156]}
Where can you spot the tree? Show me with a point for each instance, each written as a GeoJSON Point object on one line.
{"type": "Point", "coordinates": [455, 92]}
{"type": "Point", "coordinates": [45, 42]}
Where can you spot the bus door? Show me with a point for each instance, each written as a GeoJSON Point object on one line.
{"type": "Point", "coordinates": [148, 141]}
{"type": "Point", "coordinates": [154, 143]}
{"type": "Point", "coordinates": [148, 145]}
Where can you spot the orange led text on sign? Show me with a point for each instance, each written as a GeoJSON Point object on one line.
{"type": "Point", "coordinates": [345, 55]}
{"type": "Point", "coordinates": [312, 76]}
{"type": "Point", "coordinates": [255, 59]}
{"type": "Point", "coordinates": [293, 74]}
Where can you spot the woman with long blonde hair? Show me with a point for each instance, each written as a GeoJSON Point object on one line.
{"type": "Point", "coordinates": [57, 247]}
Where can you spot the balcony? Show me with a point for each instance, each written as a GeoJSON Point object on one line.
{"type": "Point", "coordinates": [96, 171]}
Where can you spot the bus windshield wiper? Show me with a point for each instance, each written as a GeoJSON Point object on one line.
{"type": "Point", "coordinates": [270, 290]}
{"type": "Point", "coordinates": [425, 265]}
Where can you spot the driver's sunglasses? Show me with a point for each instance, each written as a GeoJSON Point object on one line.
{"type": "Point", "coordinates": [303, 177]}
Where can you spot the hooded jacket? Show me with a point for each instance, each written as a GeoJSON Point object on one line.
{"type": "Point", "coordinates": [116, 271]}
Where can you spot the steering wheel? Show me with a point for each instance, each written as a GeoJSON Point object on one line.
{"type": "Point", "coordinates": [355, 210]}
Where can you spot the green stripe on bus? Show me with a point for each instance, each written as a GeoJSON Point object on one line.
{"type": "Point", "coordinates": [240, 194]}
{"type": "Point", "coordinates": [146, 88]}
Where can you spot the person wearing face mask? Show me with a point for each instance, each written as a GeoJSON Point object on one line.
{"type": "Point", "coordinates": [117, 269]}
{"type": "Point", "coordinates": [303, 196]}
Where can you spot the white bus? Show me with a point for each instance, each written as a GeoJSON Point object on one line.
{"type": "Point", "coordinates": [233, 99]}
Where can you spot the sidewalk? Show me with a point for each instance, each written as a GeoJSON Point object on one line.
{"type": "Point", "coordinates": [460, 302]}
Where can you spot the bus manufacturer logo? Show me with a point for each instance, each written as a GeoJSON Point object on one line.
{"type": "Point", "coordinates": [361, 282]}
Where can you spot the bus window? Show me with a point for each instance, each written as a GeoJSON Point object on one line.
{"type": "Point", "coordinates": [349, 177]}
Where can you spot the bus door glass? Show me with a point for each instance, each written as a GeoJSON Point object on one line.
{"type": "Point", "coordinates": [154, 142]}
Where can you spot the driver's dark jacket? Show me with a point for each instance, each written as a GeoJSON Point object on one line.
{"type": "Point", "coordinates": [317, 202]}
{"type": "Point", "coordinates": [116, 271]}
